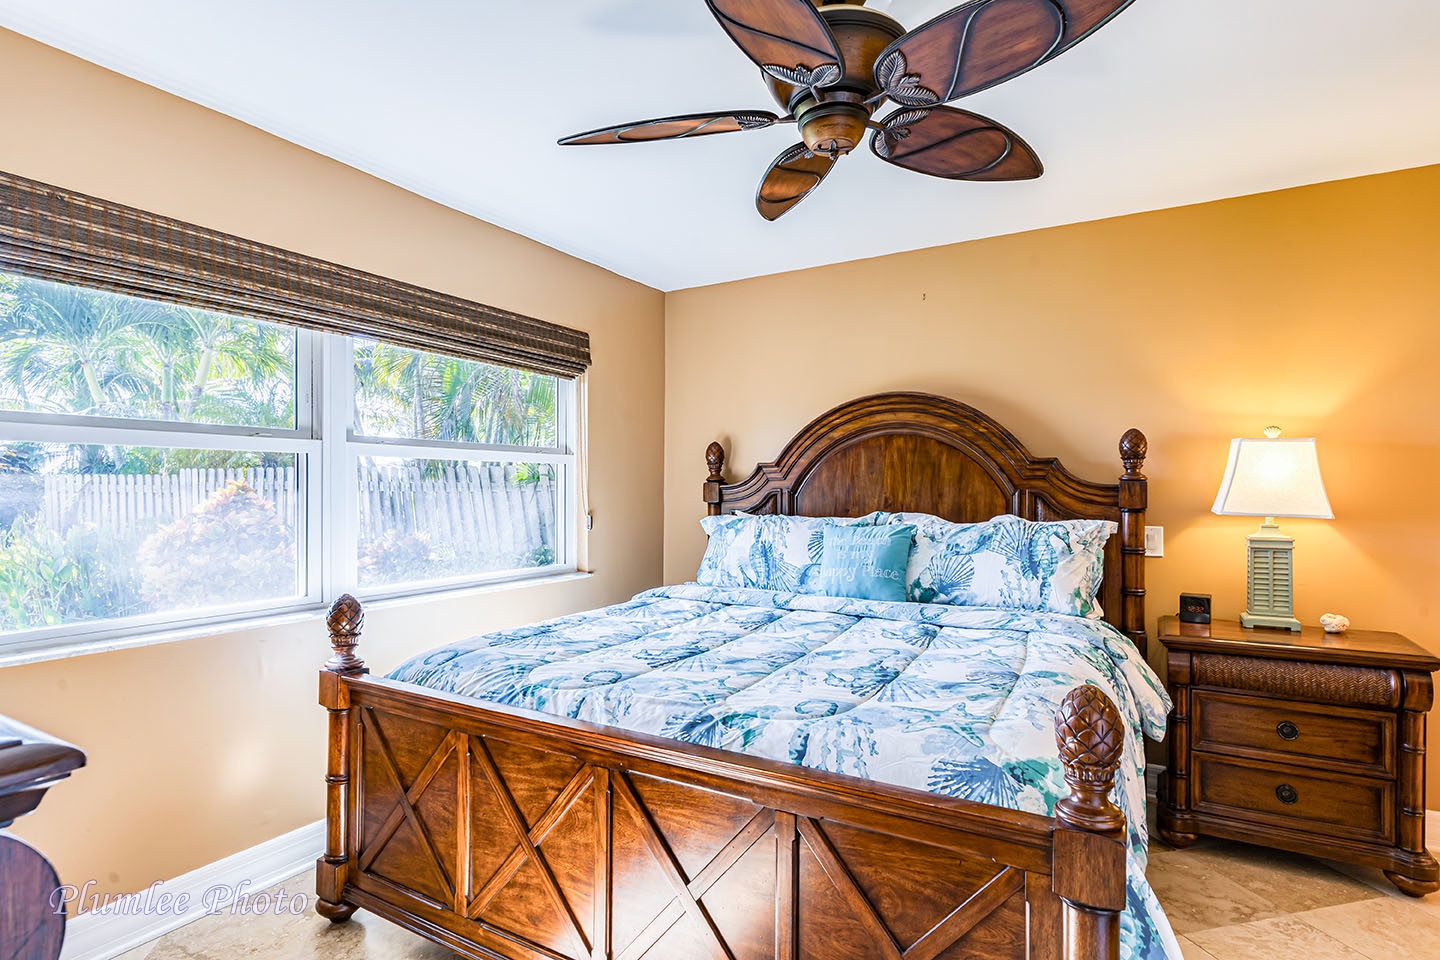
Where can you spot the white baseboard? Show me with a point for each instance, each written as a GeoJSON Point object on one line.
{"type": "Point", "coordinates": [126, 924]}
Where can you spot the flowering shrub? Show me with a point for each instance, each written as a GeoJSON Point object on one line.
{"type": "Point", "coordinates": [233, 548]}
{"type": "Point", "coordinates": [397, 558]}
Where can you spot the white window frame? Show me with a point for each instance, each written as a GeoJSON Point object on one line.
{"type": "Point", "coordinates": [327, 448]}
{"type": "Point", "coordinates": [87, 429]}
{"type": "Point", "coordinates": [343, 459]}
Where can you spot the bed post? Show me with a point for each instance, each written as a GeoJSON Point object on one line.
{"type": "Point", "coordinates": [1134, 498]}
{"type": "Point", "coordinates": [1089, 834]}
{"type": "Point", "coordinates": [715, 460]}
{"type": "Point", "coordinates": [332, 870]}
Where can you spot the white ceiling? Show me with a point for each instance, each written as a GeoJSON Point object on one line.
{"type": "Point", "coordinates": [1176, 101]}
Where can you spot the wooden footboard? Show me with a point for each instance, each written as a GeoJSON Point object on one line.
{"type": "Point", "coordinates": [506, 833]}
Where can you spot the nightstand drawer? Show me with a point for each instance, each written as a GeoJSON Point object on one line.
{"type": "Point", "coordinates": [1362, 741]}
{"type": "Point", "coordinates": [1359, 808]}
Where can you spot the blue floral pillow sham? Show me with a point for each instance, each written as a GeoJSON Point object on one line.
{"type": "Point", "coordinates": [768, 552]}
{"type": "Point", "coordinates": [1008, 562]}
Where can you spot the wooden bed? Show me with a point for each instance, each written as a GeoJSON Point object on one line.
{"type": "Point", "coordinates": [501, 832]}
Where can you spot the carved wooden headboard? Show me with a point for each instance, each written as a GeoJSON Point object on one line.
{"type": "Point", "coordinates": [929, 454]}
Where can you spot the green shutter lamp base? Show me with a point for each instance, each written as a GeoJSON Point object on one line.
{"type": "Point", "coordinates": [1248, 619]}
{"type": "Point", "coordinates": [1270, 579]}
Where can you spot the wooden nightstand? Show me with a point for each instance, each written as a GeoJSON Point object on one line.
{"type": "Point", "coordinates": [1308, 741]}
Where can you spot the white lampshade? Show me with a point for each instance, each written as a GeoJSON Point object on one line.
{"type": "Point", "coordinates": [1271, 477]}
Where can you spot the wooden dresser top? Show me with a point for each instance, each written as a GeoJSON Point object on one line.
{"type": "Point", "coordinates": [1373, 648]}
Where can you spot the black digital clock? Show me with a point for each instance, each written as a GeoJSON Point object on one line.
{"type": "Point", "coordinates": [1194, 608]}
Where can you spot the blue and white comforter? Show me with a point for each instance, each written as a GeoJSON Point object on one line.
{"type": "Point", "coordinates": [955, 700]}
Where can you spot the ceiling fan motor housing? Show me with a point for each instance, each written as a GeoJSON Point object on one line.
{"type": "Point", "coordinates": [835, 126]}
{"type": "Point", "coordinates": [835, 122]}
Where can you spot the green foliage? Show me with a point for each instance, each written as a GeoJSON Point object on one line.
{"type": "Point", "coordinates": [539, 557]}
{"type": "Point", "coordinates": [406, 393]}
{"type": "Point", "coordinates": [46, 579]}
{"type": "Point", "coordinates": [21, 457]}
{"type": "Point", "coordinates": [71, 350]}
{"type": "Point", "coordinates": [186, 458]}
{"type": "Point", "coordinates": [233, 548]}
{"type": "Point", "coordinates": [397, 558]}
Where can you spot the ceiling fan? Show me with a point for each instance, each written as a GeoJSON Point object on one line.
{"type": "Point", "coordinates": [832, 64]}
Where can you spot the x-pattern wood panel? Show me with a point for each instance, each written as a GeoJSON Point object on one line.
{"type": "Point", "coordinates": [960, 921]}
{"type": "Point", "coordinates": [686, 893]}
{"type": "Point", "coordinates": [528, 840]}
{"type": "Point", "coordinates": [406, 796]}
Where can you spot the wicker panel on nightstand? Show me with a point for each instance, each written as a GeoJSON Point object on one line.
{"type": "Point", "coordinates": [1300, 681]}
{"type": "Point", "coordinates": [1308, 742]}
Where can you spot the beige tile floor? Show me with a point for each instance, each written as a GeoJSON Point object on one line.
{"type": "Point", "coordinates": [1227, 901]}
{"type": "Point", "coordinates": [1230, 901]}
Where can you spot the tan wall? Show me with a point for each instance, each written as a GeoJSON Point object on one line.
{"type": "Point", "coordinates": [202, 748]}
{"type": "Point", "coordinates": [1316, 308]}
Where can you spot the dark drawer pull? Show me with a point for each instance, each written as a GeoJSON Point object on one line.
{"type": "Point", "coordinates": [1287, 793]}
{"type": "Point", "coordinates": [1287, 730]}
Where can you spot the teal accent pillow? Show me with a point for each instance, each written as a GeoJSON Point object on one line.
{"type": "Point", "coordinates": [867, 563]}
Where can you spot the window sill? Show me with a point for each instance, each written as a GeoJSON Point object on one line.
{"type": "Point", "coordinates": [40, 651]}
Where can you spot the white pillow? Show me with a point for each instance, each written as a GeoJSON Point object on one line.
{"type": "Point", "coordinates": [1008, 562]}
{"type": "Point", "coordinates": [768, 552]}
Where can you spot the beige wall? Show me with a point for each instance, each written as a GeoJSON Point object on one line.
{"type": "Point", "coordinates": [202, 748]}
{"type": "Point", "coordinates": [1316, 308]}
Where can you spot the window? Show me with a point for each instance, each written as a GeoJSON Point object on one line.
{"type": "Point", "coordinates": [460, 469]}
{"type": "Point", "coordinates": [163, 465]}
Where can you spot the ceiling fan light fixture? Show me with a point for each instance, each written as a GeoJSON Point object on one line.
{"type": "Point", "coordinates": [834, 128]}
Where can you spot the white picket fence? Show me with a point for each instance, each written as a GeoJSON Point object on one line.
{"type": "Point", "coordinates": [483, 512]}
{"type": "Point", "coordinates": [478, 511]}
{"type": "Point", "coordinates": [122, 502]}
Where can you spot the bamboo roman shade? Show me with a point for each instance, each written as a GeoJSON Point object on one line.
{"type": "Point", "coordinates": [54, 234]}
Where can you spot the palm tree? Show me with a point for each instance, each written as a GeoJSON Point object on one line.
{"type": "Point", "coordinates": [245, 358]}
{"type": "Point", "coordinates": [246, 355]}
{"type": "Point", "coordinates": [445, 398]}
{"type": "Point", "coordinates": [395, 377]}
{"type": "Point", "coordinates": [70, 350]}
{"type": "Point", "coordinates": [74, 350]}
{"type": "Point", "coordinates": [500, 404]}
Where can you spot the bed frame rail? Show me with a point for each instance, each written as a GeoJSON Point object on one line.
{"type": "Point", "coordinates": [505, 833]}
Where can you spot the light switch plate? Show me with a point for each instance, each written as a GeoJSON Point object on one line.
{"type": "Point", "coordinates": [1154, 541]}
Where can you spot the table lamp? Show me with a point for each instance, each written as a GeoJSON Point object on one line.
{"type": "Point", "coordinates": [1271, 478]}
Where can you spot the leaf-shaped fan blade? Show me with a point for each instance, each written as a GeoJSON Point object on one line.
{"type": "Point", "coordinates": [674, 128]}
{"type": "Point", "coordinates": [786, 38]}
{"type": "Point", "coordinates": [982, 43]}
{"type": "Point", "coordinates": [790, 179]}
{"type": "Point", "coordinates": [954, 144]}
